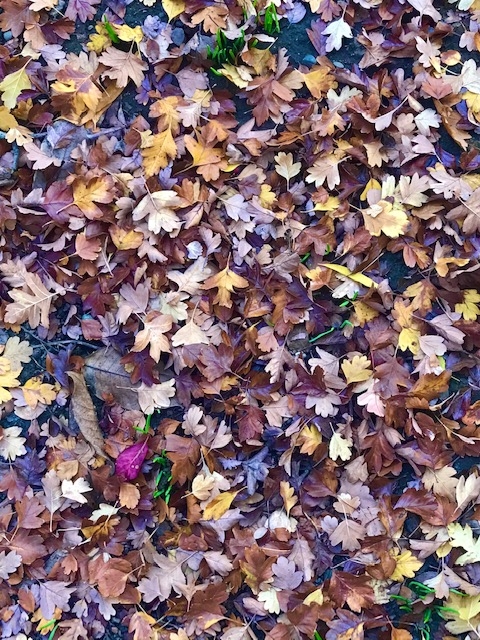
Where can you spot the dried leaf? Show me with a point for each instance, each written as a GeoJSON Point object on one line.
{"type": "Point", "coordinates": [85, 414]}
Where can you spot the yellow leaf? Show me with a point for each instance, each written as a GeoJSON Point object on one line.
{"type": "Point", "coordinates": [356, 277]}
{"type": "Point", "coordinates": [240, 75]}
{"type": "Point", "coordinates": [99, 41]}
{"type": "Point", "coordinates": [88, 192]}
{"type": "Point", "coordinates": [401, 634]}
{"type": "Point", "coordinates": [319, 81]}
{"type": "Point", "coordinates": [407, 565]}
{"type": "Point", "coordinates": [472, 100]}
{"type": "Point", "coordinates": [288, 494]}
{"type": "Point", "coordinates": [129, 34]}
{"type": "Point", "coordinates": [468, 308]}
{"type": "Point", "coordinates": [160, 150]}
{"type": "Point", "coordinates": [210, 160]}
{"type": "Point", "coordinates": [173, 8]}
{"type": "Point", "coordinates": [219, 505]}
{"type": "Point", "coordinates": [35, 391]}
{"type": "Point", "coordinates": [357, 369]}
{"type": "Point", "coordinates": [331, 204]}
{"type": "Point", "coordinates": [387, 218]}
{"type": "Point", "coordinates": [409, 339]}
{"type": "Point", "coordinates": [8, 378]}
{"type": "Point", "coordinates": [364, 313]}
{"type": "Point", "coordinates": [167, 112]}
{"type": "Point", "coordinates": [371, 184]}
{"type": "Point", "coordinates": [465, 607]}
{"type": "Point", "coordinates": [7, 121]}
{"type": "Point", "coordinates": [125, 239]}
{"type": "Point", "coordinates": [225, 281]}
{"type": "Point", "coordinates": [309, 439]}
{"type": "Point", "coordinates": [316, 597]}
{"type": "Point", "coordinates": [13, 85]}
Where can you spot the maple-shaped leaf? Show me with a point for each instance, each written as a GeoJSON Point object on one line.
{"type": "Point", "coordinates": [87, 192]}
{"type": "Point", "coordinates": [155, 325]}
{"type": "Point", "coordinates": [286, 167]}
{"type": "Point", "coordinates": [257, 568]}
{"type": "Point", "coordinates": [160, 207]}
{"type": "Point", "coordinates": [406, 565]}
{"type": "Point", "coordinates": [123, 66]}
{"type": "Point", "coordinates": [357, 369]}
{"type": "Point", "coordinates": [29, 546]}
{"type": "Point", "coordinates": [12, 86]}
{"type": "Point", "coordinates": [191, 279]}
{"type": "Point", "coordinates": [82, 9]}
{"type": "Point", "coordinates": [225, 281]}
{"type": "Point", "coordinates": [28, 509]}
{"type": "Point", "coordinates": [160, 581]}
{"type": "Point", "coordinates": [184, 453]}
{"type": "Point", "coordinates": [157, 152]}
{"type": "Point", "coordinates": [209, 160]}
{"type": "Point", "coordinates": [286, 577]}
{"type": "Point", "coordinates": [354, 590]}
{"type": "Point", "coordinates": [348, 533]}
{"type": "Point", "coordinates": [75, 490]}
{"type": "Point", "coordinates": [110, 575]}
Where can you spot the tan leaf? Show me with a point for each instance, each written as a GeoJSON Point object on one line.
{"type": "Point", "coordinates": [288, 494]}
{"type": "Point", "coordinates": [129, 495]}
{"type": "Point", "coordinates": [85, 414]}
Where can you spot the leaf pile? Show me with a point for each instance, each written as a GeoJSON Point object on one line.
{"type": "Point", "coordinates": [275, 266]}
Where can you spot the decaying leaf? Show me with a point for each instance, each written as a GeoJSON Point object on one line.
{"type": "Point", "coordinates": [84, 413]}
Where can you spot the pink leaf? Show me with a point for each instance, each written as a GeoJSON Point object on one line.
{"type": "Point", "coordinates": [129, 461]}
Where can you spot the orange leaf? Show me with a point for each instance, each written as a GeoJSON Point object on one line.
{"type": "Point", "coordinates": [225, 281]}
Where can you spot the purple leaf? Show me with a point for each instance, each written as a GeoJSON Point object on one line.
{"type": "Point", "coordinates": [129, 461]}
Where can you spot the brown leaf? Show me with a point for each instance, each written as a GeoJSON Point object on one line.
{"type": "Point", "coordinates": [85, 414]}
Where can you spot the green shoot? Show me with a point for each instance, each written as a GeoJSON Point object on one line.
{"type": "Point", "coordinates": [163, 479]}
{"type": "Point", "coordinates": [271, 22]}
{"type": "Point", "coordinates": [225, 51]}
{"type": "Point", "coordinates": [146, 428]}
{"type": "Point", "coordinates": [110, 30]}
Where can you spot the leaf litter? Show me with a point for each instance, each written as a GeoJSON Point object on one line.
{"type": "Point", "coordinates": [239, 374]}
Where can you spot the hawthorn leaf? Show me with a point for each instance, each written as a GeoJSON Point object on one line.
{"type": "Point", "coordinates": [75, 490]}
{"type": "Point", "coordinates": [161, 580]}
{"type": "Point", "coordinates": [225, 281]}
{"type": "Point", "coordinates": [53, 594]}
{"type": "Point", "coordinates": [157, 396]}
{"type": "Point", "coordinates": [12, 86]}
{"type": "Point", "coordinates": [11, 443]}
{"type": "Point", "coordinates": [9, 563]}
{"type": "Point", "coordinates": [123, 66]}
{"type": "Point", "coordinates": [160, 207]}
{"type": "Point", "coordinates": [336, 31]}
{"type": "Point", "coordinates": [406, 566]}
